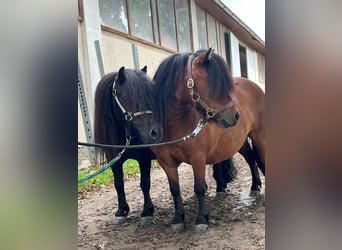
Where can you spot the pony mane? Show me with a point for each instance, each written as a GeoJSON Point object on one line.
{"type": "Point", "coordinates": [138, 86]}
{"type": "Point", "coordinates": [173, 69]}
{"type": "Point", "coordinates": [220, 82]}
{"type": "Point", "coordinates": [105, 127]}
{"type": "Point", "coordinates": [109, 124]}
{"type": "Point", "coordinates": [170, 70]}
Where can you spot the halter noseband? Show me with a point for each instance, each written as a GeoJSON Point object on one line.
{"type": "Point", "coordinates": [128, 115]}
{"type": "Point", "coordinates": [210, 112]}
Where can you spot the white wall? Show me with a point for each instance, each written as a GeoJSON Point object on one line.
{"type": "Point", "coordinates": [251, 66]}
{"type": "Point", "coordinates": [235, 55]}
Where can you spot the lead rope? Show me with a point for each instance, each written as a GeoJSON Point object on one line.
{"type": "Point", "coordinates": [201, 124]}
{"type": "Point", "coordinates": [108, 165]}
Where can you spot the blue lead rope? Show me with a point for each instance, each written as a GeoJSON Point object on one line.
{"type": "Point", "coordinates": [108, 165]}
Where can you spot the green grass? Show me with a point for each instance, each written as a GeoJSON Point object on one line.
{"type": "Point", "coordinates": [130, 167]}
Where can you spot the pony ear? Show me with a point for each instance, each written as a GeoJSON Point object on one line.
{"type": "Point", "coordinates": [144, 69]}
{"type": "Point", "coordinates": [208, 55]}
{"type": "Point", "coordinates": [121, 75]}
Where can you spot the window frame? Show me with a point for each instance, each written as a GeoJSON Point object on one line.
{"type": "Point", "coordinates": [80, 10]}
{"type": "Point", "coordinates": [157, 42]}
{"type": "Point", "coordinates": [244, 47]}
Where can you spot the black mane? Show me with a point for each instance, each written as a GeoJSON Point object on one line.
{"type": "Point", "coordinates": [173, 68]}
{"type": "Point", "coordinates": [220, 82]}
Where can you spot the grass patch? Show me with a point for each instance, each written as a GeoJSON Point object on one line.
{"type": "Point", "coordinates": [130, 167]}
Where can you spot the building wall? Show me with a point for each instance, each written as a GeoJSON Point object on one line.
{"type": "Point", "coordinates": [235, 56]}
{"type": "Point", "coordinates": [117, 52]}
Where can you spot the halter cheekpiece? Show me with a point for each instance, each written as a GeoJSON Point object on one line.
{"type": "Point", "coordinates": [129, 116]}
{"type": "Point", "coordinates": [210, 112]}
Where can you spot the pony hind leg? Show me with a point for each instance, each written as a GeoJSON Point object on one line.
{"type": "Point", "coordinates": [123, 208]}
{"type": "Point", "coordinates": [260, 164]}
{"type": "Point", "coordinates": [259, 147]}
{"type": "Point", "coordinates": [223, 173]}
{"type": "Point", "coordinates": [145, 185]}
{"type": "Point", "coordinates": [247, 152]}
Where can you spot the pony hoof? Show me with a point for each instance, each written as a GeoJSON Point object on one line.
{"type": "Point", "coordinates": [200, 228]}
{"type": "Point", "coordinates": [147, 220]}
{"type": "Point", "coordinates": [221, 195]}
{"type": "Point", "coordinates": [177, 228]}
{"type": "Point", "coordinates": [119, 220]}
{"type": "Point", "coordinates": [254, 193]}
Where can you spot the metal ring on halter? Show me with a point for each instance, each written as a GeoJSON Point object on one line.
{"type": "Point", "coordinates": [128, 116]}
{"type": "Point", "coordinates": [190, 83]}
{"type": "Point", "coordinates": [211, 113]}
{"type": "Point", "coordinates": [195, 97]}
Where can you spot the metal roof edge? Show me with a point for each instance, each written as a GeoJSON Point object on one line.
{"type": "Point", "coordinates": [239, 21]}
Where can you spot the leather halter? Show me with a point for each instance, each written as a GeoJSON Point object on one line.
{"type": "Point", "coordinates": [128, 115]}
{"type": "Point", "coordinates": [210, 112]}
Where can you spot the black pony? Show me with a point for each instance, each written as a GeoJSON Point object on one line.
{"type": "Point", "coordinates": [123, 103]}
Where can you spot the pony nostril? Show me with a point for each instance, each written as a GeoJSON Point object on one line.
{"type": "Point", "coordinates": [237, 116]}
{"type": "Point", "coordinates": [154, 133]}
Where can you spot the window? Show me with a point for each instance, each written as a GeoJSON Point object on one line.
{"type": "Point", "coordinates": [201, 28]}
{"type": "Point", "coordinates": [212, 37]}
{"type": "Point", "coordinates": [155, 22]}
{"type": "Point", "coordinates": [183, 25]}
{"type": "Point", "coordinates": [114, 14]}
{"type": "Point", "coordinates": [225, 44]}
{"type": "Point", "coordinates": [167, 24]}
{"type": "Point", "coordinates": [163, 22]}
{"type": "Point", "coordinates": [243, 61]}
{"type": "Point", "coordinates": [140, 19]}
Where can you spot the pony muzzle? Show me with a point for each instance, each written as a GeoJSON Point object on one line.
{"type": "Point", "coordinates": [227, 119]}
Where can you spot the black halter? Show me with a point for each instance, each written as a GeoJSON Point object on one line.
{"type": "Point", "coordinates": [210, 112]}
{"type": "Point", "coordinates": [129, 116]}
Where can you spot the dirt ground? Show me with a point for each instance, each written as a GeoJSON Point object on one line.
{"type": "Point", "coordinates": [235, 222]}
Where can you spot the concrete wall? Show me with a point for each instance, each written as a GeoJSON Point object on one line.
{"type": "Point", "coordinates": [117, 52]}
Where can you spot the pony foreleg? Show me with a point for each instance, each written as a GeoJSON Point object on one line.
{"type": "Point", "coordinates": [123, 208]}
{"type": "Point", "coordinates": [145, 185]}
{"type": "Point", "coordinates": [177, 224]}
{"type": "Point", "coordinates": [202, 220]}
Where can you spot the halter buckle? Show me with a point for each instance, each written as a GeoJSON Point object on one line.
{"type": "Point", "coordinates": [190, 83]}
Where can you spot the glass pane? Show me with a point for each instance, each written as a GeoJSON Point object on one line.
{"type": "Point", "coordinates": [140, 19]}
{"type": "Point", "coordinates": [212, 32]}
{"type": "Point", "coordinates": [155, 22]}
{"type": "Point", "coordinates": [183, 25]}
{"type": "Point", "coordinates": [201, 28]}
{"type": "Point", "coordinates": [167, 23]}
{"type": "Point", "coordinates": [113, 14]}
